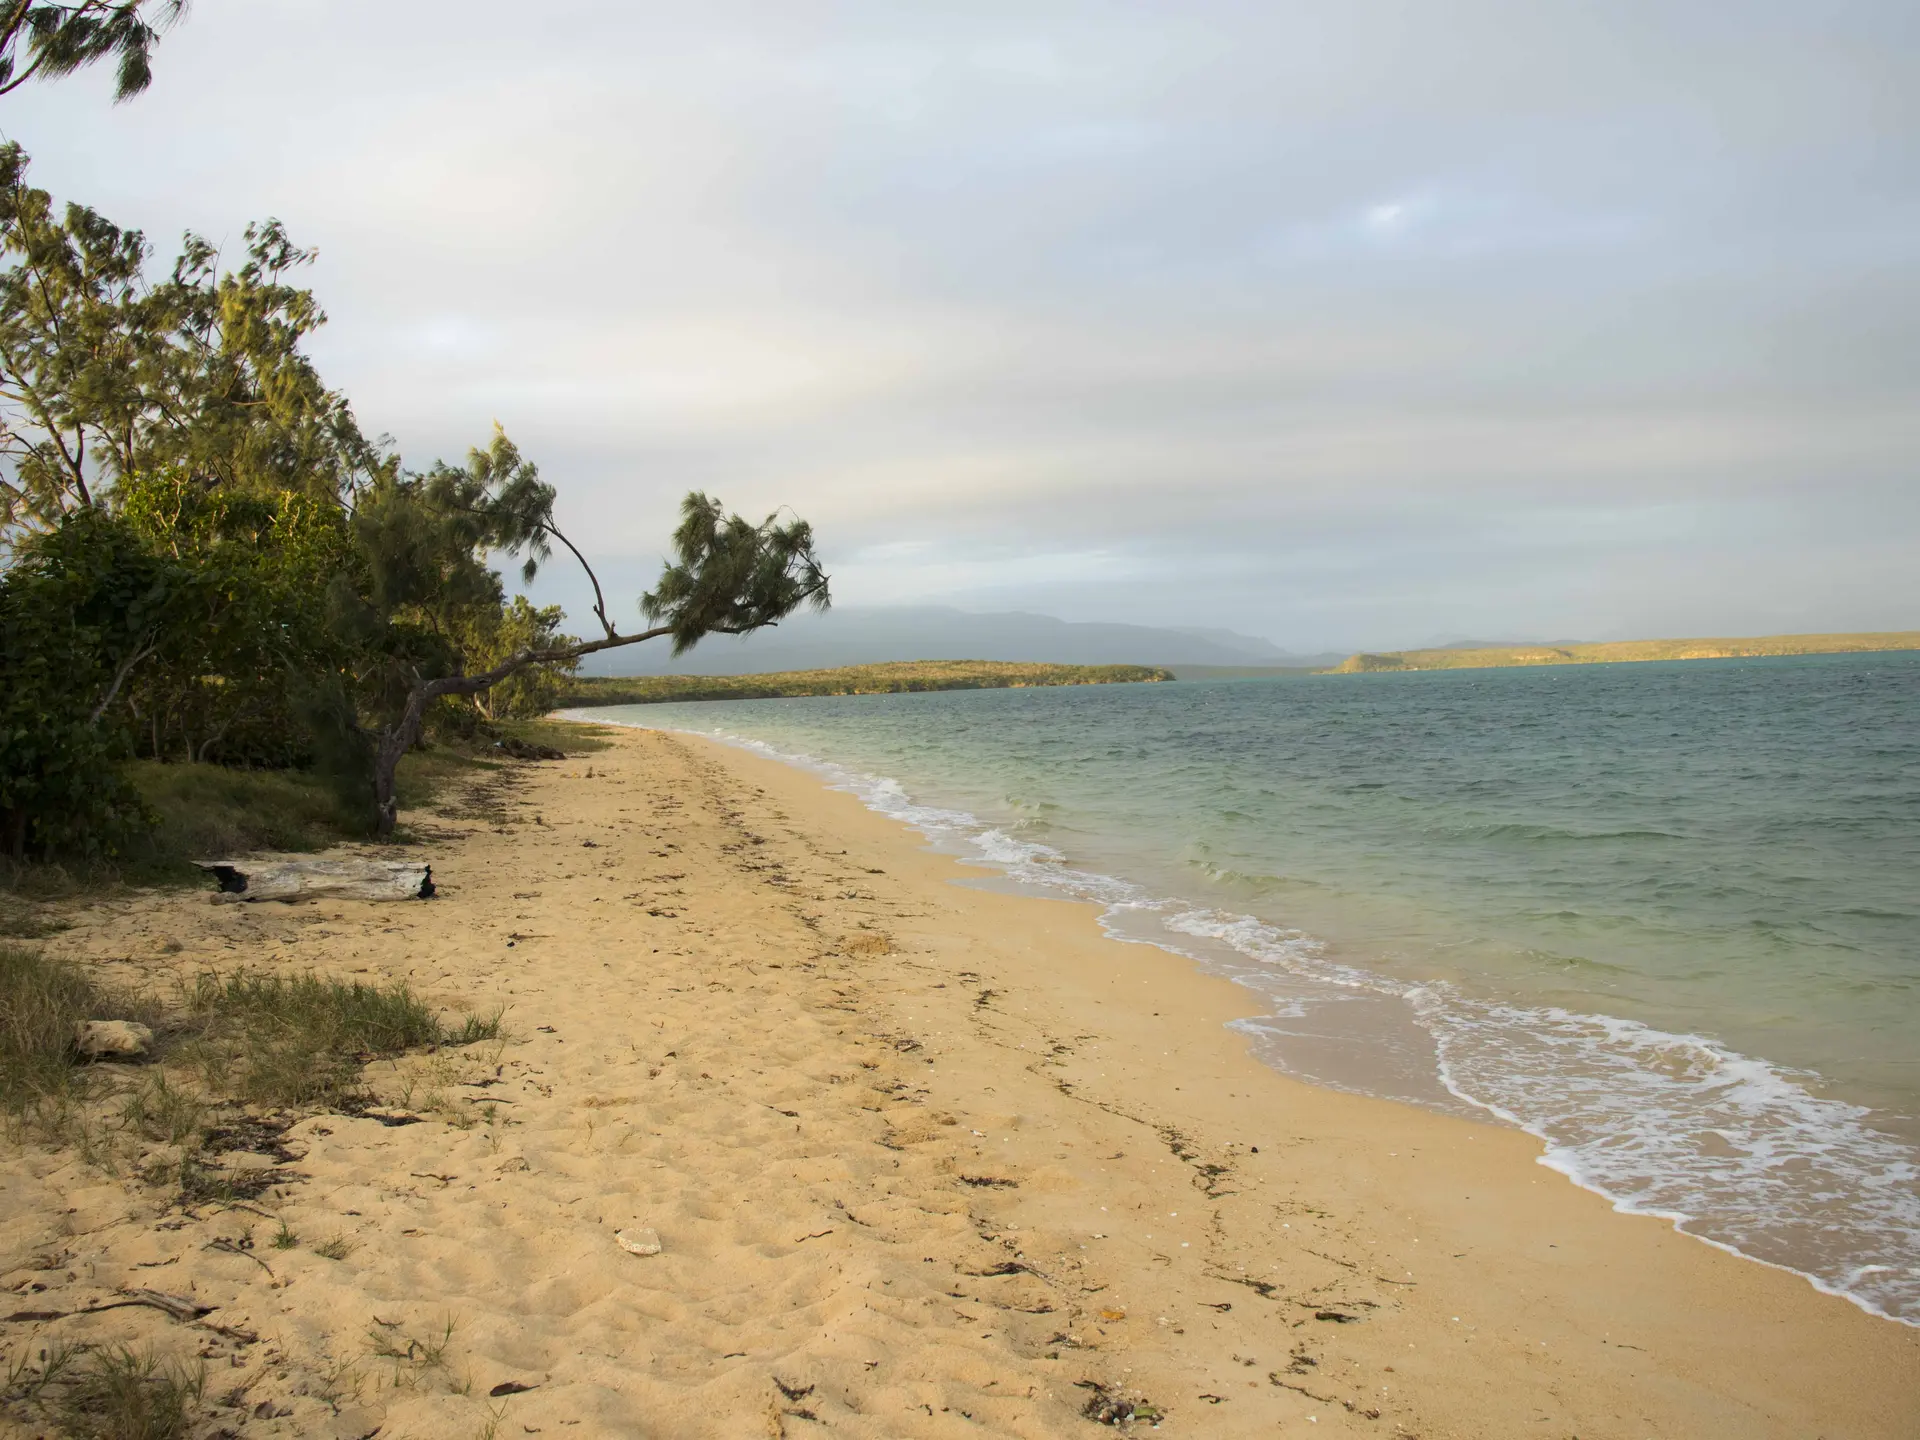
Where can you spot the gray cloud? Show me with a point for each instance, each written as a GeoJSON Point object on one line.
{"type": "Point", "coordinates": [1345, 323]}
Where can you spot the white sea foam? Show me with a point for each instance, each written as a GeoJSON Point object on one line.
{"type": "Point", "coordinates": [1733, 1150]}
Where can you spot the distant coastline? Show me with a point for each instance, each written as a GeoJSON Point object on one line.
{"type": "Point", "coordinates": [1616, 652]}
{"type": "Point", "coordinates": [887, 679]}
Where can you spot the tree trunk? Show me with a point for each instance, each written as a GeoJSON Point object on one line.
{"type": "Point", "coordinates": [395, 741]}
{"type": "Point", "coordinates": [399, 737]}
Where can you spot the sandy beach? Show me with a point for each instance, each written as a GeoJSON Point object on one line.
{"type": "Point", "coordinates": [922, 1159]}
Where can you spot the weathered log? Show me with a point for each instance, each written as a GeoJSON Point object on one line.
{"type": "Point", "coordinates": [297, 879]}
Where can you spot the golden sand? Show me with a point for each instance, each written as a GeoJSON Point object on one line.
{"type": "Point", "coordinates": [921, 1160]}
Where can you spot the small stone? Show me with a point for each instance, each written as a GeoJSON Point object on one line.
{"type": "Point", "coordinates": [642, 1241]}
{"type": "Point", "coordinates": [118, 1039]}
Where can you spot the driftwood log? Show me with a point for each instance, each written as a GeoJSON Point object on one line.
{"type": "Point", "coordinates": [299, 879]}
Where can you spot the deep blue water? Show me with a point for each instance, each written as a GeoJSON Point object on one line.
{"type": "Point", "coordinates": [1665, 916]}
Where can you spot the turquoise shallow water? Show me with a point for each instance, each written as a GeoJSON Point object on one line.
{"type": "Point", "coordinates": [1667, 917]}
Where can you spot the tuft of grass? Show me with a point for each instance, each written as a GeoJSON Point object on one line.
{"type": "Point", "coordinates": [284, 1238]}
{"type": "Point", "coordinates": [160, 1110]}
{"type": "Point", "coordinates": [125, 1394]}
{"type": "Point", "coordinates": [42, 1002]}
{"type": "Point", "coordinates": [290, 1041]}
{"type": "Point", "coordinates": [29, 1374]}
{"type": "Point", "coordinates": [475, 1028]}
{"type": "Point", "coordinates": [338, 1248]}
{"type": "Point", "coordinates": [428, 1352]}
{"type": "Point", "coordinates": [413, 1357]}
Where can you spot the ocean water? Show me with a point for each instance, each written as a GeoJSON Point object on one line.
{"type": "Point", "coordinates": [1665, 917]}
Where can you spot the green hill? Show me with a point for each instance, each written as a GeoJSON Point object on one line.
{"type": "Point", "coordinates": [889, 679]}
{"type": "Point", "coordinates": [1628, 651]}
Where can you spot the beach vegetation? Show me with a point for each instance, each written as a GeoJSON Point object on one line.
{"type": "Point", "coordinates": [163, 1110]}
{"type": "Point", "coordinates": [412, 1356]}
{"type": "Point", "coordinates": [281, 1044]}
{"type": "Point", "coordinates": [42, 1003]}
{"type": "Point", "coordinates": [891, 678]}
{"type": "Point", "coordinates": [206, 565]}
{"type": "Point", "coordinates": [297, 1041]}
{"type": "Point", "coordinates": [113, 1392]}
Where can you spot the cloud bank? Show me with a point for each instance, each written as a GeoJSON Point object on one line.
{"type": "Point", "coordinates": [1350, 324]}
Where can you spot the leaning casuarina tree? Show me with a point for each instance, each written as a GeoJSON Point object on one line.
{"type": "Point", "coordinates": [42, 39]}
{"type": "Point", "coordinates": [728, 576]}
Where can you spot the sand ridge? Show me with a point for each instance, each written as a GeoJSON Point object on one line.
{"type": "Point", "coordinates": [923, 1160]}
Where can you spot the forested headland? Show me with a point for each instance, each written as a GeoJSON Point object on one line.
{"type": "Point", "coordinates": [892, 678]}
{"type": "Point", "coordinates": [1616, 652]}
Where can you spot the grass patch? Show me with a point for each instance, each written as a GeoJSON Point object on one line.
{"type": "Point", "coordinates": [20, 921]}
{"type": "Point", "coordinates": [126, 1394]}
{"type": "Point", "coordinates": [204, 811]}
{"type": "Point", "coordinates": [283, 1042]}
{"type": "Point", "coordinates": [42, 1003]}
{"type": "Point", "coordinates": [423, 774]}
{"type": "Point", "coordinates": [301, 1040]}
{"type": "Point", "coordinates": [159, 1110]}
{"type": "Point", "coordinates": [576, 737]}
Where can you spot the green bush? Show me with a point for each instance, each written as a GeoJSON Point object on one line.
{"type": "Point", "coordinates": [78, 610]}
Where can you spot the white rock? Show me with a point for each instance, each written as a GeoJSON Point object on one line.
{"type": "Point", "coordinates": [99, 1039]}
{"type": "Point", "coordinates": [642, 1241]}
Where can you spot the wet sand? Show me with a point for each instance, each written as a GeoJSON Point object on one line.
{"type": "Point", "coordinates": [923, 1159]}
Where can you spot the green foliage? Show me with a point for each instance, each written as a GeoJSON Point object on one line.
{"type": "Point", "coordinates": [234, 675]}
{"type": "Point", "coordinates": [886, 679]}
{"type": "Point", "coordinates": [104, 375]}
{"type": "Point", "coordinates": [60, 38]}
{"type": "Point", "coordinates": [78, 611]}
{"type": "Point", "coordinates": [494, 635]}
{"type": "Point", "coordinates": [731, 577]}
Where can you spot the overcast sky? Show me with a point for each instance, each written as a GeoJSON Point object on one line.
{"type": "Point", "coordinates": [1341, 323]}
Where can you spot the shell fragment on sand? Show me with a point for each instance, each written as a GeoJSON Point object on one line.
{"type": "Point", "coordinates": [640, 1241]}
{"type": "Point", "coordinates": [112, 1040]}
{"type": "Point", "coordinates": [293, 879]}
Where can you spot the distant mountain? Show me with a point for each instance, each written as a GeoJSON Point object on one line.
{"type": "Point", "coordinates": [932, 632]}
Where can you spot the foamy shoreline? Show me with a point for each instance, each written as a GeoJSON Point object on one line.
{"type": "Point", "coordinates": [923, 1159]}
